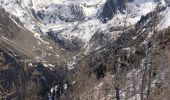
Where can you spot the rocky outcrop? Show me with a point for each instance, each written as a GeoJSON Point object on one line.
{"type": "Point", "coordinates": [112, 7]}
{"type": "Point", "coordinates": [7, 29]}
{"type": "Point", "coordinates": [74, 13]}
{"type": "Point", "coordinates": [67, 44]}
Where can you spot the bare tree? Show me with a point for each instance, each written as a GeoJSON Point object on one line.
{"type": "Point", "coordinates": [6, 93]}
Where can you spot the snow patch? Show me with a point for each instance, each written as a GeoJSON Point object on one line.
{"type": "Point", "coordinates": [165, 22]}
{"type": "Point", "coordinates": [15, 22]}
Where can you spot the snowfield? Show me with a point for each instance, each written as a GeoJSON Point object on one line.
{"type": "Point", "coordinates": [165, 22]}
{"type": "Point", "coordinates": [42, 16]}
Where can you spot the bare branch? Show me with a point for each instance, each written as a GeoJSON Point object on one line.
{"type": "Point", "coordinates": [9, 92]}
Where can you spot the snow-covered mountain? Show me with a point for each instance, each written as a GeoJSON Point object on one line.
{"type": "Point", "coordinates": [80, 18]}
{"type": "Point", "coordinates": [85, 49]}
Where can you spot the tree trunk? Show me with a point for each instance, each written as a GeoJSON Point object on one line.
{"type": "Point", "coordinates": [117, 93]}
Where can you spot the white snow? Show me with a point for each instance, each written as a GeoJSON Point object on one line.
{"type": "Point", "coordinates": [145, 6]}
{"type": "Point", "coordinates": [82, 29]}
{"type": "Point", "coordinates": [45, 65]}
{"type": "Point", "coordinates": [70, 65]}
{"type": "Point", "coordinates": [165, 22]}
{"type": "Point", "coordinates": [54, 89]}
{"type": "Point", "coordinates": [136, 97]}
{"type": "Point", "coordinates": [16, 22]}
{"type": "Point", "coordinates": [4, 38]}
{"type": "Point", "coordinates": [162, 3]}
{"type": "Point", "coordinates": [30, 64]}
{"type": "Point", "coordinates": [65, 86]}
{"type": "Point", "coordinates": [51, 65]}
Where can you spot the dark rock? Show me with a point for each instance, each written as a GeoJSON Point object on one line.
{"type": "Point", "coordinates": [111, 8]}
{"type": "Point", "coordinates": [70, 45]}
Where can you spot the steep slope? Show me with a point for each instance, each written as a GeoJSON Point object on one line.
{"type": "Point", "coordinates": [135, 66]}
{"type": "Point", "coordinates": [165, 23]}
{"type": "Point", "coordinates": [24, 41]}
{"type": "Point", "coordinates": [29, 66]}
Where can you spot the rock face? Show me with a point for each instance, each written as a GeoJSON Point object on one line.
{"type": "Point", "coordinates": [70, 45]}
{"type": "Point", "coordinates": [6, 28]}
{"type": "Point", "coordinates": [112, 7]}
{"type": "Point", "coordinates": [74, 13]}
